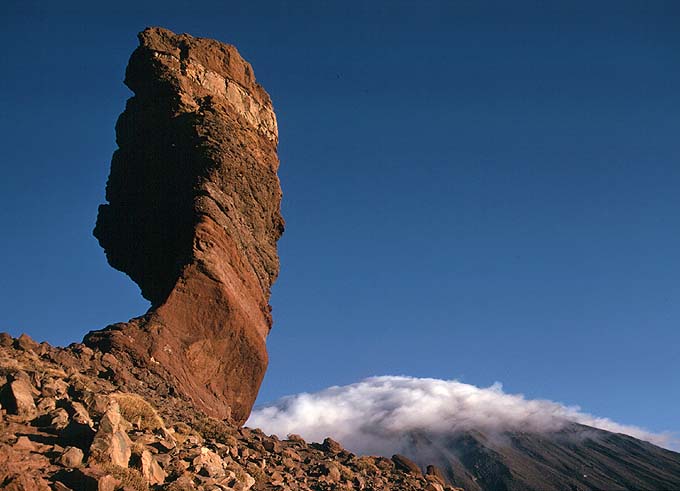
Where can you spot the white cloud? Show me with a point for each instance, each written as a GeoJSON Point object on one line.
{"type": "Point", "coordinates": [372, 416]}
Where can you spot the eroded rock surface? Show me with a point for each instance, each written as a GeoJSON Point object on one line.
{"type": "Point", "coordinates": [193, 217]}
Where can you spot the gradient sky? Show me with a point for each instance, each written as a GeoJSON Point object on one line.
{"type": "Point", "coordinates": [486, 191]}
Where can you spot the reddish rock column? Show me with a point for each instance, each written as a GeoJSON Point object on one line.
{"type": "Point", "coordinates": [193, 217]}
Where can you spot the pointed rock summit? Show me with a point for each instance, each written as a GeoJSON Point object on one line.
{"type": "Point", "coordinates": [193, 217]}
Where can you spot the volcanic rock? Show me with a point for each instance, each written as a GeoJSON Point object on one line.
{"type": "Point", "coordinates": [152, 472]}
{"type": "Point", "coordinates": [331, 445]}
{"type": "Point", "coordinates": [19, 398]}
{"type": "Point", "coordinates": [111, 443]}
{"type": "Point", "coordinates": [193, 217]}
{"type": "Point", "coordinates": [26, 343]}
{"type": "Point", "coordinates": [72, 457]}
{"type": "Point", "coordinates": [436, 473]}
{"type": "Point", "coordinates": [406, 464]}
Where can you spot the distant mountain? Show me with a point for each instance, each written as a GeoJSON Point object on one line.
{"type": "Point", "coordinates": [575, 458]}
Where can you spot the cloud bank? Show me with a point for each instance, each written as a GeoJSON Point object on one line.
{"type": "Point", "coordinates": [372, 416]}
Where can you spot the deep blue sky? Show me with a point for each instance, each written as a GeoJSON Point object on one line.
{"type": "Point", "coordinates": [475, 190]}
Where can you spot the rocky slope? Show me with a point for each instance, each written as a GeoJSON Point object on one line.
{"type": "Point", "coordinates": [193, 218]}
{"type": "Point", "coordinates": [70, 421]}
{"type": "Point", "coordinates": [79, 419]}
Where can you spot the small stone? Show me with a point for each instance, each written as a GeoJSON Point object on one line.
{"type": "Point", "coordinates": [436, 473]}
{"type": "Point", "coordinates": [55, 388]}
{"type": "Point", "coordinates": [59, 419]}
{"type": "Point", "coordinates": [108, 483]}
{"type": "Point", "coordinates": [272, 446]}
{"type": "Point", "coordinates": [152, 472]}
{"type": "Point", "coordinates": [184, 483]}
{"type": "Point", "coordinates": [6, 340]}
{"type": "Point", "coordinates": [109, 361]}
{"type": "Point", "coordinates": [293, 437]}
{"type": "Point", "coordinates": [332, 472]}
{"type": "Point", "coordinates": [382, 463]}
{"type": "Point", "coordinates": [98, 404]}
{"type": "Point", "coordinates": [247, 482]}
{"type": "Point", "coordinates": [46, 404]}
{"type": "Point", "coordinates": [23, 443]}
{"type": "Point", "coordinates": [209, 464]}
{"type": "Point", "coordinates": [22, 399]}
{"type": "Point", "coordinates": [111, 443]}
{"type": "Point", "coordinates": [26, 343]}
{"type": "Point", "coordinates": [292, 454]}
{"type": "Point", "coordinates": [86, 352]}
{"type": "Point", "coordinates": [168, 441]}
{"type": "Point", "coordinates": [276, 479]}
{"type": "Point", "coordinates": [80, 414]}
{"type": "Point", "coordinates": [72, 457]}
{"type": "Point", "coordinates": [332, 446]}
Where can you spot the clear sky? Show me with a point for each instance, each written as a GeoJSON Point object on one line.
{"type": "Point", "coordinates": [486, 191]}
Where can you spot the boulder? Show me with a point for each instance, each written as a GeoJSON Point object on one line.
{"type": "Point", "coordinates": [19, 398]}
{"type": "Point", "coordinates": [407, 465]}
{"type": "Point", "coordinates": [72, 457]}
{"type": "Point", "coordinates": [6, 339]}
{"type": "Point", "coordinates": [153, 473]}
{"type": "Point", "coordinates": [24, 443]}
{"type": "Point", "coordinates": [111, 443]}
{"type": "Point", "coordinates": [436, 473]}
{"type": "Point", "coordinates": [209, 464]}
{"type": "Point", "coordinates": [331, 445]}
{"type": "Point", "coordinates": [26, 343]}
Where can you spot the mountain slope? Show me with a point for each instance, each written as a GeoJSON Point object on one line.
{"type": "Point", "coordinates": [577, 457]}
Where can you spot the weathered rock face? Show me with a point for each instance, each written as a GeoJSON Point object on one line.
{"type": "Point", "coordinates": [193, 217]}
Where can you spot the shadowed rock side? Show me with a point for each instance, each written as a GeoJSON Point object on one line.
{"type": "Point", "coordinates": [193, 217]}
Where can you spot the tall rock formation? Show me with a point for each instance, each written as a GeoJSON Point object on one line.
{"type": "Point", "coordinates": [193, 217]}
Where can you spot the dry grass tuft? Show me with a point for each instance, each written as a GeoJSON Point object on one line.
{"type": "Point", "coordinates": [131, 479]}
{"type": "Point", "coordinates": [137, 411]}
{"type": "Point", "coordinates": [213, 429]}
{"type": "Point", "coordinates": [365, 464]}
{"type": "Point", "coordinates": [182, 428]}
